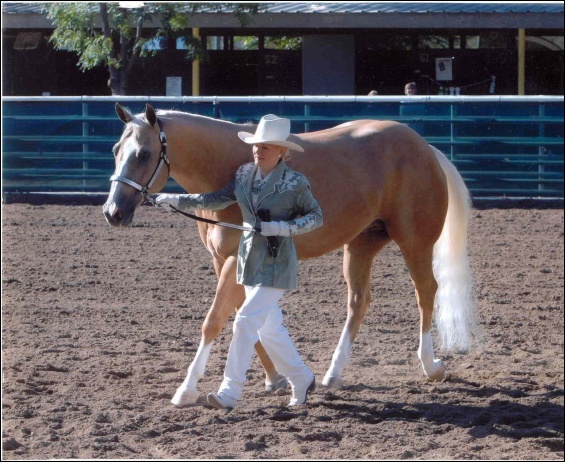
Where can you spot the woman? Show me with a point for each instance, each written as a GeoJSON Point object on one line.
{"type": "Point", "coordinates": [267, 263]}
{"type": "Point", "coordinates": [411, 89]}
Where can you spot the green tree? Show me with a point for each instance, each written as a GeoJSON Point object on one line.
{"type": "Point", "coordinates": [113, 34]}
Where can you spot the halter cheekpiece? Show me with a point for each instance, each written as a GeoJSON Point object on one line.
{"type": "Point", "coordinates": [164, 160]}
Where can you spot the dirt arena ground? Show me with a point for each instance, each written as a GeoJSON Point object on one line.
{"type": "Point", "coordinates": [100, 324]}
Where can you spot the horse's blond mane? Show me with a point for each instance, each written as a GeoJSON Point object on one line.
{"type": "Point", "coordinates": [188, 116]}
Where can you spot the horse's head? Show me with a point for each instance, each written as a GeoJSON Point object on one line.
{"type": "Point", "coordinates": [140, 157]}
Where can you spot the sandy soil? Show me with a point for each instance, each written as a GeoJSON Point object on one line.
{"type": "Point", "coordinates": [99, 326]}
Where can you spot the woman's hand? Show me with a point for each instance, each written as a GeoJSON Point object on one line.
{"type": "Point", "coordinates": [166, 200]}
{"type": "Point", "coordinates": [275, 228]}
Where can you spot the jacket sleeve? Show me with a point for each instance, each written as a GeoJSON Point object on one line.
{"type": "Point", "coordinates": [216, 200]}
{"type": "Point", "coordinates": [307, 207]}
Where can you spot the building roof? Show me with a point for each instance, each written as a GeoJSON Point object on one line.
{"type": "Point", "coordinates": [359, 7]}
{"type": "Point", "coordinates": [350, 15]}
{"type": "Point", "coordinates": [413, 7]}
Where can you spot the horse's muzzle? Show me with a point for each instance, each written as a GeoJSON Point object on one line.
{"type": "Point", "coordinates": [115, 216]}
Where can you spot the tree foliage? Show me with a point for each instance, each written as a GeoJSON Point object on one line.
{"type": "Point", "coordinates": [115, 35]}
{"type": "Point", "coordinates": [283, 42]}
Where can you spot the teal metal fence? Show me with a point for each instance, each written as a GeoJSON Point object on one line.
{"type": "Point", "coordinates": [502, 145]}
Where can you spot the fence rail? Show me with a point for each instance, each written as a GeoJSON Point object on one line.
{"type": "Point", "coordinates": [502, 145]}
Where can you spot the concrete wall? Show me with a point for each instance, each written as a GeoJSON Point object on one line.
{"type": "Point", "coordinates": [328, 65]}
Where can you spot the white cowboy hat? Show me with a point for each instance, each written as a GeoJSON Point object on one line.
{"type": "Point", "coordinates": [271, 130]}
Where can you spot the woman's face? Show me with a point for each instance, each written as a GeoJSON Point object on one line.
{"type": "Point", "coordinates": [267, 156]}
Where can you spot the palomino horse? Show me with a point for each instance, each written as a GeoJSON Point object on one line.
{"type": "Point", "coordinates": [376, 181]}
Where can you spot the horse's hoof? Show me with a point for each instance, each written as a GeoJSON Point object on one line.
{"type": "Point", "coordinates": [437, 372]}
{"type": "Point", "coordinates": [333, 382]}
{"type": "Point", "coordinates": [185, 397]}
{"type": "Point", "coordinates": [280, 384]}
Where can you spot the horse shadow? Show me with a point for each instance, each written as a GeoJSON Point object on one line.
{"type": "Point", "coordinates": [498, 411]}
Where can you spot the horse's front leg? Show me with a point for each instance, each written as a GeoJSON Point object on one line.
{"type": "Point", "coordinates": [229, 296]}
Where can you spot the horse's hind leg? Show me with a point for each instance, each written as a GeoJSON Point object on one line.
{"type": "Point", "coordinates": [229, 295]}
{"type": "Point", "coordinates": [357, 260]}
{"type": "Point", "coordinates": [273, 380]}
{"type": "Point", "coordinates": [419, 262]}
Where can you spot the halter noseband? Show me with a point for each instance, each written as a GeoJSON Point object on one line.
{"type": "Point", "coordinates": [144, 190]}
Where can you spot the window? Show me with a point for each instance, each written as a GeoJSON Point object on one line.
{"type": "Point", "coordinates": [215, 42]}
{"type": "Point", "coordinates": [546, 42]}
{"type": "Point", "coordinates": [246, 42]}
{"type": "Point", "coordinates": [156, 43]}
{"type": "Point", "coordinates": [492, 39]}
{"type": "Point", "coordinates": [283, 43]}
{"type": "Point", "coordinates": [472, 42]}
{"type": "Point", "coordinates": [433, 42]}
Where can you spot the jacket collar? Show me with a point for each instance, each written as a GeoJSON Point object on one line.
{"type": "Point", "coordinates": [274, 178]}
{"type": "Point", "coordinates": [269, 187]}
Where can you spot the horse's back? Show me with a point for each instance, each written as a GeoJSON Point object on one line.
{"type": "Point", "coordinates": [368, 143]}
{"type": "Point", "coordinates": [377, 157]}
{"type": "Point", "coordinates": [368, 170]}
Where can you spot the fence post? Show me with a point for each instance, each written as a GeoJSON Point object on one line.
{"type": "Point", "coordinates": [453, 115]}
{"type": "Point", "coordinates": [85, 146]}
{"type": "Point", "coordinates": [307, 111]}
{"type": "Point", "coordinates": [217, 112]}
{"type": "Point", "coordinates": [541, 149]}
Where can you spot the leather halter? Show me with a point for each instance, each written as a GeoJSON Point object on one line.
{"type": "Point", "coordinates": [144, 190]}
{"type": "Point", "coordinates": [164, 160]}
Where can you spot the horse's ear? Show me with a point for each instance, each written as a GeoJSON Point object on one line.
{"type": "Point", "coordinates": [124, 115]}
{"type": "Point", "coordinates": [150, 115]}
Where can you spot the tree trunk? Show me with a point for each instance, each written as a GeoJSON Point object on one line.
{"type": "Point", "coordinates": [116, 82]}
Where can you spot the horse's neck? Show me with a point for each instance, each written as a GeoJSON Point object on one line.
{"type": "Point", "coordinates": [204, 153]}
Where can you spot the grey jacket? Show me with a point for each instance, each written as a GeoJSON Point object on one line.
{"type": "Point", "coordinates": [288, 197]}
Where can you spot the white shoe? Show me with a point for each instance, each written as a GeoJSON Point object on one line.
{"type": "Point", "coordinates": [301, 388]}
{"type": "Point", "coordinates": [221, 401]}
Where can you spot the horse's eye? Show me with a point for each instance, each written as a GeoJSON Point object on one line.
{"type": "Point", "coordinates": [144, 155]}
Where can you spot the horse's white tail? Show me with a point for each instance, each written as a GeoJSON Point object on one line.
{"type": "Point", "coordinates": [455, 308]}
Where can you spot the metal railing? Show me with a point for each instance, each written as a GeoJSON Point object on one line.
{"type": "Point", "coordinates": [502, 145]}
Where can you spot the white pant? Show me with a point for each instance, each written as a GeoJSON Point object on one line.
{"type": "Point", "coordinates": [260, 318]}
